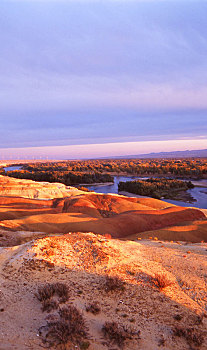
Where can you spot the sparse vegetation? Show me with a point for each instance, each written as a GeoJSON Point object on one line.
{"type": "Point", "coordinates": [192, 335]}
{"type": "Point", "coordinates": [62, 290]}
{"type": "Point", "coordinates": [49, 305]}
{"type": "Point", "coordinates": [84, 345]}
{"type": "Point", "coordinates": [161, 341]}
{"type": "Point", "coordinates": [117, 334]}
{"type": "Point", "coordinates": [70, 327]}
{"type": "Point", "coordinates": [94, 308]}
{"type": "Point", "coordinates": [162, 281]}
{"type": "Point", "coordinates": [114, 283]}
{"type": "Point", "coordinates": [46, 292]}
{"type": "Point", "coordinates": [178, 317]}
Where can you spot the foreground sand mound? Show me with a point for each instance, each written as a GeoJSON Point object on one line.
{"type": "Point", "coordinates": [83, 262]}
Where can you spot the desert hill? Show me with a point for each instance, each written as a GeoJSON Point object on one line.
{"type": "Point", "coordinates": [91, 258]}
{"type": "Point", "coordinates": [55, 208]}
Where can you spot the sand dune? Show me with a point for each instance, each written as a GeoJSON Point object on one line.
{"type": "Point", "coordinates": [83, 214]}
{"type": "Point", "coordinates": [116, 215]}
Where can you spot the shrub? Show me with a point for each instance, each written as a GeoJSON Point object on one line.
{"type": "Point", "coordinates": [48, 290]}
{"type": "Point", "coordinates": [70, 327]}
{"type": "Point", "coordinates": [62, 290]}
{"type": "Point", "coordinates": [178, 317]}
{"type": "Point", "coordinates": [45, 292]}
{"type": "Point", "coordinates": [117, 334]}
{"type": "Point", "coordinates": [49, 305]}
{"type": "Point", "coordinates": [114, 283]}
{"type": "Point", "coordinates": [191, 334]}
{"type": "Point", "coordinates": [58, 332]}
{"type": "Point", "coordinates": [94, 308]}
{"type": "Point", "coordinates": [73, 316]}
{"type": "Point", "coordinates": [162, 281]}
{"type": "Point", "coordinates": [84, 345]}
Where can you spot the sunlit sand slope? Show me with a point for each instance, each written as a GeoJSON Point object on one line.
{"type": "Point", "coordinates": [82, 262]}
{"type": "Point", "coordinates": [76, 210]}
{"type": "Point", "coordinates": [195, 231]}
{"type": "Point", "coordinates": [32, 189]}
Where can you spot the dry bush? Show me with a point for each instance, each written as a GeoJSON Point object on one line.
{"type": "Point", "coordinates": [62, 290]}
{"type": "Point", "coordinates": [70, 327]}
{"type": "Point", "coordinates": [48, 290]}
{"type": "Point", "coordinates": [161, 280]}
{"type": "Point", "coordinates": [94, 308]}
{"type": "Point", "coordinates": [178, 317]}
{"type": "Point", "coordinates": [192, 335]}
{"type": "Point", "coordinates": [114, 283]}
{"type": "Point", "coordinates": [49, 305]}
{"type": "Point", "coordinates": [45, 292]}
{"type": "Point", "coordinates": [117, 334]}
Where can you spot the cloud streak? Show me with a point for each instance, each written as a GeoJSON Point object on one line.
{"type": "Point", "coordinates": [76, 71]}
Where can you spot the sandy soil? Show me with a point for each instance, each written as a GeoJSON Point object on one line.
{"type": "Point", "coordinates": [102, 214]}
{"type": "Point", "coordinates": [82, 261]}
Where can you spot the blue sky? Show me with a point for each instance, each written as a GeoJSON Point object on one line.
{"type": "Point", "coordinates": [102, 72]}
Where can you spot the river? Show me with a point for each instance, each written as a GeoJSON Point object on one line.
{"type": "Point", "coordinates": [198, 194]}
{"type": "Point", "coordinates": [12, 168]}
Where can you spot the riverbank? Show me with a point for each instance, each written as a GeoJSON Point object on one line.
{"type": "Point", "coordinates": [196, 196]}
{"type": "Point", "coordinates": [96, 184]}
{"type": "Point", "coordinates": [169, 175]}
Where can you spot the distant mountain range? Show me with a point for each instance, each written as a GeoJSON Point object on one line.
{"type": "Point", "coordinates": [201, 153]}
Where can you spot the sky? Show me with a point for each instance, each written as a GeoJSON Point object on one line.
{"type": "Point", "coordinates": [90, 78]}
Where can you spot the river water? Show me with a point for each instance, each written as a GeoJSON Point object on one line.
{"type": "Point", "coordinates": [12, 168]}
{"type": "Point", "coordinates": [199, 194]}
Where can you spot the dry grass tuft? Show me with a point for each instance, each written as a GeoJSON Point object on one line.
{"type": "Point", "coordinates": [192, 335]}
{"type": "Point", "coordinates": [117, 334]}
{"type": "Point", "coordinates": [62, 290]}
{"type": "Point", "coordinates": [114, 284]}
{"type": "Point", "coordinates": [94, 308]}
{"type": "Point", "coordinates": [47, 291]}
{"type": "Point", "coordinates": [49, 305]}
{"type": "Point", "coordinates": [69, 328]}
{"type": "Point", "coordinates": [162, 281]}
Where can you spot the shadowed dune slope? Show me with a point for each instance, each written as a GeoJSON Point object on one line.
{"type": "Point", "coordinates": [118, 225]}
